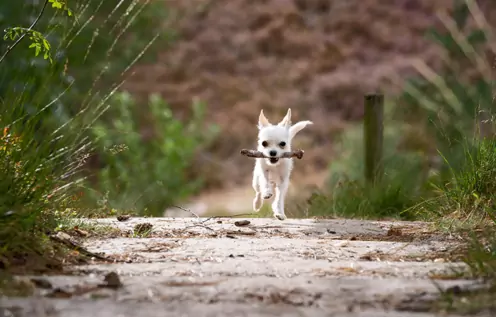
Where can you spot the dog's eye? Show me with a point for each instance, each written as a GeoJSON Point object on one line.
{"type": "Point", "coordinates": [264, 143]}
{"type": "Point", "coordinates": [282, 144]}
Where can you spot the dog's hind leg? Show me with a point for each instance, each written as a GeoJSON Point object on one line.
{"type": "Point", "coordinates": [278, 204]}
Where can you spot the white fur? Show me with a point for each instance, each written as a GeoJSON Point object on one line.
{"type": "Point", "coordinates": [268, 175]}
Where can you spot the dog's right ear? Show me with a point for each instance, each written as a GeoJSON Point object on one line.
{"type": "Point", "coordinates": [298, 127]}
{"type": "Point", "coordinates": [286, 121]}
{"type": "Point", "coordinates": [262, 121]}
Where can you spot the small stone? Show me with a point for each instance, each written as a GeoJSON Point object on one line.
{"type": "Point", "coordinates": [241, 223]}
{"type": "Point", "coordinates": [112, 280]}
{"type": "Point", "coordinates": [123, 217]}
{"type": "Point", "coordinates": [41, 283]}
{"type": "Point", "coordinates": [59, 293]}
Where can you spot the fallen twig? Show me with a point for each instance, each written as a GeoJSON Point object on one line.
{"type": "Point", "coordinates": [186, 210]}
{"type": "Point", "coordinates": [244, 233]}
{"type": "Point", "coordinates": [257, 154]}
{"type": "Point", "coordinates": [66, 239]}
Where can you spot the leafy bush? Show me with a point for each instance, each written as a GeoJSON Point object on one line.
{"type": "Point", "coordinates": [46, 114]}
{"type": "Point", "coordinates": [471, 192]}
{"type": "Point", "coordinates": [90, 53]}
{"type": "Point", "coordinates": [468, 203]}
{"type": "Point", "coordinates": [459, 108]}
{"type": "Point", "coordinates": [437, 113]}
{"type": "Point", "coordinates": [349, 195]}
{"type": "Point", "coordinates": [455, 102]}
{"type": "Point", "coordinates": [147, 176]}
{"type": "Point", "coordinates": [36, 177]}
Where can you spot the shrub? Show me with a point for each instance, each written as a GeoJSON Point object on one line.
{"type": "Point", "coordinates": [349, 195]}
{"type": "Point", "coordinates": [454, 103]}
{"type": "Point", "coordinates": [33, 183]}
{"type": "Point", "coordinates": [46, 114]}
{"type": "Point", "coordinates": [437, 113]}
{"type": "Point", "coordinates": [146, 176]}
{"type": "Point", "coordinates": [470, 194]}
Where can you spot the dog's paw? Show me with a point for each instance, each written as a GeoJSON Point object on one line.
{"type": "Point", "coordinates": [257, 202]}
{"type": "Point", "coordinates": [267, 195]}
{"type": "Point", "coordinates": [280, 216]}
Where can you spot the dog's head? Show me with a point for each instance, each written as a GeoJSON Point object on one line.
{"type": "Point", "coordinates": [274, 140]}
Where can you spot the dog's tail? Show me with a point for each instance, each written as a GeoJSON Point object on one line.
{"type": "Point", "coordinates": [297, 127]}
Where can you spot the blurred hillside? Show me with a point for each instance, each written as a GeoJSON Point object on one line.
{"type": "Point", "coordinates": [317, 57]}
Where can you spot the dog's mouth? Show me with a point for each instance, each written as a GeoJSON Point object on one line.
{"type": "Point", "coordinates": [273, 160]}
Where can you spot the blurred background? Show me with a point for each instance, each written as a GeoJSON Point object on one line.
{"type": "Point", "coordinates": [161, 95]}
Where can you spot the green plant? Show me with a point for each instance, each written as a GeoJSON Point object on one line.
{"type": "Point", "coordinates": [87, 55]}
{"type": "Point", "coordinates": [443, 112]}
{"type": "Point", "coordinates": [460, 111]}
{"type": "Point", "coordinates": [146, 175]}
{"type": "Point", "coordinates": [46, 117]}
{"type": "Point", "coordinates": [33, 183]}
{"type": "Point", "coordinates": [32, 170]}
{"type": "Point", "coordinates": [458, 107]}
{"type": "Point", "coordinates": [455, 101]}
{"type": "Point", "coordinates": [470, 193]}
{"type": "Point", "coordinates": [347, 194]}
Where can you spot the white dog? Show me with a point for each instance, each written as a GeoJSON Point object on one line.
{"type": "Point", "coordinates": [274, 172]}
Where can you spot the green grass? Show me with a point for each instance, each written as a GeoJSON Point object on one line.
{"type": "Point", "coordinates": [33, 183]}
{"type": "Point", "coordinates": [46, 116]}
{"type": "Point", "coordinates": [469, 197]}
{"type": "Point", "coordinates": [468, 204]}
{"type": "Point", "coordinates": [348, 195]}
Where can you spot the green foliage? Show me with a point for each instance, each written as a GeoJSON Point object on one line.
{"type": "Point", "coordinates": [89, 57]}
{"type": "Point", "coordinates": [147, 175]}
{"type": "Point", "coordinates": [350, 196]}
{"type": "Point", "coordinates": [38, 41]}
{"type": "Point", "coordinates": [62, 5]}
{"type": "Point", "coordinates": [33, 181]}
{"type": "Point", "coordinates": [32, 169]}
{"type": "Point", "coordinates": [454, 102]}
{"type": "Point", "coordinates": [471, 191]}
{"type": "Point", "coordinates": [49, 99]}
{"type": "Point", "coordinates": [459, 106]}
{"type": "Point", "coordinates": [471, 199]}
{"type": "Point", "coordinates": [443, 112]}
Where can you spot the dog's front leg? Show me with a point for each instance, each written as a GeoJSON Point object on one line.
{"type": "Point", "coordinates": [265, 184]}
{"type": "Point", "coordinates": [278, 204]}
{"type": "Point", "coordinates": [261, 185]}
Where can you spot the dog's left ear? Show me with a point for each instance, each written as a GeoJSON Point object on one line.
{"type": "Point", "coordinates": [286, 121]}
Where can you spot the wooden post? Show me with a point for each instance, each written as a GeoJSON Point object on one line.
{"type": "Point", "coordinates": [373, 136]}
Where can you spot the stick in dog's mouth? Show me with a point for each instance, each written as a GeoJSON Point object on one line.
{"type": "Point", "coordinates": [257, 154]}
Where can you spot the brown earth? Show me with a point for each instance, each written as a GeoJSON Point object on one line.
{"type": "Point", "coordinates": [317, 57]}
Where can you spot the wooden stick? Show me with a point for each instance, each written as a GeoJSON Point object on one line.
{"type": "Point", "coordinates": [253, 153]}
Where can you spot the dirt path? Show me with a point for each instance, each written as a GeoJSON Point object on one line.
{"type": "Point", "coordinates": [211, 267]}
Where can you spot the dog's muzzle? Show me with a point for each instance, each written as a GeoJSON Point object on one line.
{"type": "Point", "coordinates": [273, 160]}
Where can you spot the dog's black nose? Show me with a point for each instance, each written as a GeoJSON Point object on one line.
{"type": "Point", "coordinates": [273, 153]}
